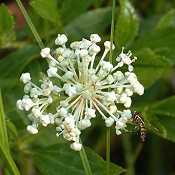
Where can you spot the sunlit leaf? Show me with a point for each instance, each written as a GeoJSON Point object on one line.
{"type": "Point", "coordinates": [61, 160]}
{"type": "Point", "coordinates": [126, 25]}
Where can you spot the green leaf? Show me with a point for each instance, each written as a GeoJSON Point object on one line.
{"type": "Point", "coordinates": [94, 21]}
{"type": "Point", "coordinates": [12, 65]}
{"type": "Point", "coordinates": [69, 11]}
{"type": "Point", "coordinates": [48, 10]}
{"type": "Point", "coordinates": [148, 24]}
{"type": "Point", "coordinates": [167, 127]}
{"type": "Point", "coordinates": [149, 67]}
{"type": "Point", "coordinates": [165, 114]}
{"type": "Point", "coordinates": [12, 131]}
{"type": "Point", "coordinates": [126, 25]}
{"type": "Point", "coordinates": [167, 53]}
{"type": "Point", "coordinates": [168, 20]}
{"type": "Point", "coordinates": [61, 160]}
{"type": "Point", "coordinates": [158, 41]}
{"type": "Point", "coordinates": [6, 26]}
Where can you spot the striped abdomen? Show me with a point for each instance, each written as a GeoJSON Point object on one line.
{"type": "Point", "coordinates": [137, 117]}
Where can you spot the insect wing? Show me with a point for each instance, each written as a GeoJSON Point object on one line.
{"type": "Point", "coordinates": [152, 126]}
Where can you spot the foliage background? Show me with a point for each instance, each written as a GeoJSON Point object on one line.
{"type": "Point", "coordinates": [144, 26]}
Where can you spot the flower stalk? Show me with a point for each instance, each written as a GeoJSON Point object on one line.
{"type": "Point", "coordinates": [108, 133]}
{"type": "Point", "coordinates": [85, 161]}
{"type": "Point", "coordinates": [108, 143]}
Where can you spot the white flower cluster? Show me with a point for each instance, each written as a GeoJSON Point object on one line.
{"type": "Point", "coordinates": [90, 86]}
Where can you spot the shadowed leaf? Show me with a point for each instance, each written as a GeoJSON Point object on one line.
{"type": "Point", "coordinates": [61, 160]}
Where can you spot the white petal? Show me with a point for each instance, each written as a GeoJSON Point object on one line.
{"type": "Point", "coordinates": [32, 130]}
{"type": "Point", "coordinates": [45, 52]}
{"type": "Point", "coordinates": [25, 77]}
{"type": "Point", "coordinates": [76, 146]}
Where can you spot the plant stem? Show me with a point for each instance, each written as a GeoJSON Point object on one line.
{"type": "Point", "coordinates": [85, 162]}
{"type": "Point", "coordinates": [110, 60]}
{"type": "Point", "coordinates": [112, 31]}
{"type": "Point", "coordinates": [108, 151]}
{"type": "Point", "coordinates": [7, 159]}
{"type": "Point", "coordinates": [10, 167]}
{"type": "Point", "coordinates": [3, 129]}
{"type": "Point", "coordinates": [35, 33]}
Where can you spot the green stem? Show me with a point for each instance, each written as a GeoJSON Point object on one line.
{"type": "Point", "coordinates": [112, 31]}
{"type": "Point", "coordinates": [110, 60]}
{"type": "Point", "coordinates": [3, 129]}
{"type": "Point", "coordinates": [7, 159]}
{"type": "Point", "coordinates": [136, 152]}
{"type": "Point", "coordinates": [85, 162]}
{"type": "Point", "coordinates": [35, 33]}
{"type": "Point", "coordinates": [10, 167]}
{"type": "Point", "coordinates": [108, 151]}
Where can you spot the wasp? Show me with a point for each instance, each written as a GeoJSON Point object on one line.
{"type": "Point", "coordinates": [138, 120]}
